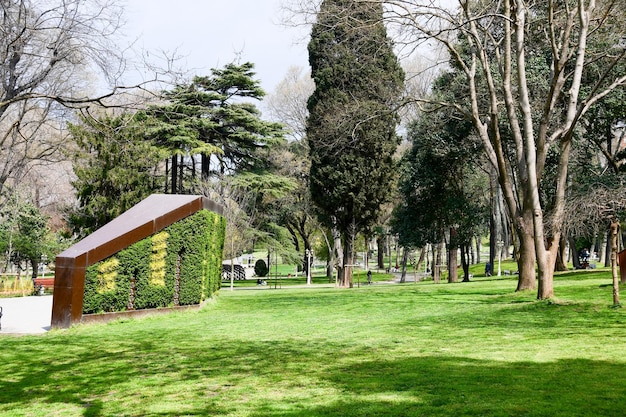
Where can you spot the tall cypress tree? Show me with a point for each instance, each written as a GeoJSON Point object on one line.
{"type": "Point", "coordinates": [352, 122]}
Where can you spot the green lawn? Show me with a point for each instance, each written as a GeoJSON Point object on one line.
{"type": "Point", "coordinates": [425, 349]}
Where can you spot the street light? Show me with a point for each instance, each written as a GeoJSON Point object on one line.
{"type": "Point", "coordinates": [500, 245]}
{"type": "Point", "coordinates": [307, 253]}
{"type": "Point", "coordinates": [44, 258]}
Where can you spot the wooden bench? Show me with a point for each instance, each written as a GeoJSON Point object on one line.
{"type": "Point", "coordinates": [46, 283]}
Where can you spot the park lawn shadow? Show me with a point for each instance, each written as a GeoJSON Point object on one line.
{"type": "Point", "coordinates": [285, 355]}
{"type": "Point", "coordinates": [177, 378]}
{"type": "Point", "coordinates": [456, 386]}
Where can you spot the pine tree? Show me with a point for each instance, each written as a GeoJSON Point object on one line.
{"type": "Point", "coordinates": [352, 118]}
{"type": "Point", "coordinates": [215, 119]}
{"type": "Point", "coordinates": [115, 166]}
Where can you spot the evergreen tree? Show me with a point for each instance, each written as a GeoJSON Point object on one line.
{"type": "Point", "coordinates": [115, 166]}
{"type": "Point", "coordinates": [352, 118]}
{"type": "Point", "coordinates": [441, 187]}
{"type": "Point", "coordinates": [214, 120]}
{"type": "Point", "coordinates": [24, 235]}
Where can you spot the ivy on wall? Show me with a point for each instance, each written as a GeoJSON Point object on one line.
{"type": "Point", "coordinates": [181, 265]}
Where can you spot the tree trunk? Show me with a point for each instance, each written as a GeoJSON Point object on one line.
{"type": "Point", "coordinates": [545, 289]}
{"type": "Point", "coordinates": [465, 252]}
{"type": "Point", "coordinates": [574, 251]}
{"type": "Point", "coordinates": [380, 243]}
{"type": "Point", "coordinates": [436, 264]}
{"type": "Point", "coordinates": [428, 258]}
{"type": "Point", "coordinates": [294, 237]}
{"type": "Point", "coordinates": [167, 175]}
{"type": "Point", "coordinates": [418, 266]}
{"type": "Point", "coordinates": [479, 245]}
{"type": "Point", "coordinates": [346, 278]}
{"type": "Point", "coordinates": [561, 255]}
{"type": "Point", "coordinates": [181, 176]}
{"type": "Point", "coordinates": [338, 251]}
{"type": "Point", "coordinates": [453, 255]}
{"type": "Point", "coordinates": [494, 187]}
{"type": "Point", "coordinates": [546, 247]}
{"type": "Point", "coordinates": [35, 265]}
{"type": "Point", "coordinates": [607, 249]}
{"type": "Point", "coordinates": [614, 267]}
{"type": "Point", "coordinates": [601, 244]}
{"type": "Point", "coordinates": [526, 262]}
{"type": "Point", "coordinates": [205, 166]}
{"type": "Point", "coordinates": [389, 252]}
{"type": "Point", "coordinates": [174, 174]}
{"type": "Point", "coordinates": [405, 256]}
{"type": "Point", "coordinates": [453, 272]}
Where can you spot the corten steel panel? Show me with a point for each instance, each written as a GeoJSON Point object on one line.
{"type": "Point", "coordinates": [66, 289]}
{"type": "Point", "coordinates": [119, 241]}
{"type": "Point", "coordinates": [61, 307]}
{"type": "Point", "coordinates": [177, 214]}
{"type": "Point", "coordinates": [144, 219]}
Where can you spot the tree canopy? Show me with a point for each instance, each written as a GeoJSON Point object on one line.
{"type": "Point", "coordinates": [440, 194]}
{"type": "Point", "coordinates": [213, 118]}
{"type": "Point", "coordinates": [116, 166]}
{"type": "Point", "coordinates": [48, 51]}
{"type": "Point", "coordinates": [524, 65]}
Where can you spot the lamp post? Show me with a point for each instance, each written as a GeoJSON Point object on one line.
{"type": "Point", "coordinates": [500, 245]}
{"type": "Point", "coordinates": [44, 258]}
{"type": "Point", "coordinates": [232, 263]}
{"type": "Point", "coordinates": [307, 253]}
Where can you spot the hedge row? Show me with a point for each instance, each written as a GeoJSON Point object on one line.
{"type": "Point", "coordinates": [181, 265]}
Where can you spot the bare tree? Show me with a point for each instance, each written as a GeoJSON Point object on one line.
{"type": "Point", "coordinates": [287, 104]}
{"type": "Point", "coordinates": [54, 57]}
{"type": "Point", "coordinates": [491, 43]}
{"type": "Point", "coordinates": [598, 203]}
{"type": "Point", "coordinates": [421, 71]}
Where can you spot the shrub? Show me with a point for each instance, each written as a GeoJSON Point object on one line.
{"type": "Point", "coordinates": [260, 268]}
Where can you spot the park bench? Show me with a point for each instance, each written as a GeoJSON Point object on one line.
{"type": "Point", "coordinates": [42, 284]}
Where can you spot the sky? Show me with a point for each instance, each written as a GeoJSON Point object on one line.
{"type": "Point", "coordinates": [212, 33]}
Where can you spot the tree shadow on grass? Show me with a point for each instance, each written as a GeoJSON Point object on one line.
{"type": "Point", "coordinates": [91, 373]}
{"type": "Point", "coordinates": [434, 386]}
{"type": "Point", "coordinates": [185, 370]}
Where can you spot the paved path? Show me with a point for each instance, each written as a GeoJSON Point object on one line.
{"type": "Point", "coordinates": [26, 315]}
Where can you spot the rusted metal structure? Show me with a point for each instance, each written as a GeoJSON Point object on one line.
{"type": "Point", "coordinates": [148, 217]}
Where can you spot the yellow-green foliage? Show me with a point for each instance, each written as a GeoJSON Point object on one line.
{"type": "Point", "coordinates": [157, 259]}
{"type": "Point", "coordinates": [107, 272]}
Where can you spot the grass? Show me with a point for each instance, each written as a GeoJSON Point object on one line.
{"type": "Point", "coordinates": [425, 349]}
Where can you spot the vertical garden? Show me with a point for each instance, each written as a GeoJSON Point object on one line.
{"type": "Point", "coordinates": [181, 265]}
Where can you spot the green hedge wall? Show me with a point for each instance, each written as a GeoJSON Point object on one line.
{"type": "Point", "coordinates": [181, 265]}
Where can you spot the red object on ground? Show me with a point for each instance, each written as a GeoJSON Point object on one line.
{"type": "Point", "coordinates": [47, 283]}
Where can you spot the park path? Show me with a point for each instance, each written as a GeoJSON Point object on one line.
{"type": "Point", "coordinates": [25, 315]}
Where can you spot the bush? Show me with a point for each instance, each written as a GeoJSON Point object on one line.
{"type": "Point", "coordinates": [260, 268]}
